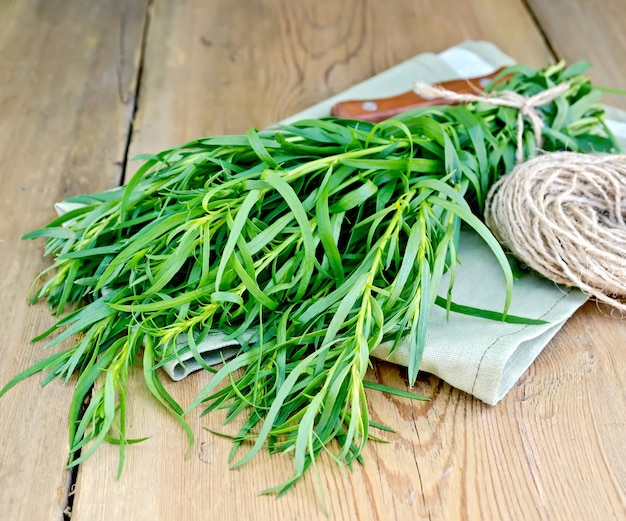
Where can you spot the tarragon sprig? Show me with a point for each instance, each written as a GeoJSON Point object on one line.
{"type": "Point", "coordinates": [310, 244]}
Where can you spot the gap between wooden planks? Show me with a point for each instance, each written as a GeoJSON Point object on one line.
{"type": "Point", "coordinates": [68, 72]}
{"type": "Point", "coordinates": [590, 31]}
{"type": "Point", "coordinates": [225, 66]}
{"type": "Point", "coordinates": [222, 68]}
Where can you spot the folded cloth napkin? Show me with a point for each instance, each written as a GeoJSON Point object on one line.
{"type": "Point", "coordinates": [481, 357]}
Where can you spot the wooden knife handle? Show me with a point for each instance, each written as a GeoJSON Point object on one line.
{"type": "Point", "coordinates": [384, 108]}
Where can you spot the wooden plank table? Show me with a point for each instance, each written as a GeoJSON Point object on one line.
{"type": "Point", "coordinates": [85, 85]}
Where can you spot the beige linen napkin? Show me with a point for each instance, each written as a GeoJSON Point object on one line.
{"type": "Point", "coordinates": [482, 357]}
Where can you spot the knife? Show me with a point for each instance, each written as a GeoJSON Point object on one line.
{"type": "Point", "coordinates": [376, 110]}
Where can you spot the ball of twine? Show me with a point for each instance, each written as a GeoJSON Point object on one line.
{"type": "Point", "coordinates": [563, 214]}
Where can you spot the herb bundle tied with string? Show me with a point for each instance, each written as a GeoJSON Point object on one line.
{"type": "Point", "coordinates": [310, 245]}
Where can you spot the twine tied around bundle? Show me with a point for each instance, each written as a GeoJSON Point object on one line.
{"type": "Point", "coordinates": [527, 106]}
{"type": "Point", "coordinates": [563, 214]}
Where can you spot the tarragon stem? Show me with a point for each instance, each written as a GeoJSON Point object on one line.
{"type": "Point", "coordinates": [310, 244]}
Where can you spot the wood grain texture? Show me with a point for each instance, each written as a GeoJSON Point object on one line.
{"type": "Point", "coordinates": [592, 31]}
{"type": "Point", "coordinates": [67, 73]}
{"type": "Point", "coordinates": [225, 66]}
{"type": "Point", "coordinates": [552, 449]}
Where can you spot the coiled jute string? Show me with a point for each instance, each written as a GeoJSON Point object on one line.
{"type": "Point", "coordinates": [562, 213]}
